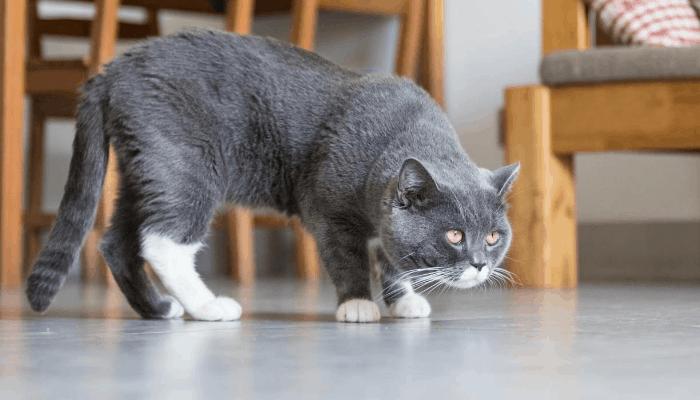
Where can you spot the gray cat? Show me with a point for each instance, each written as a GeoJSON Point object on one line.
{"type": "Point", "coordinates": [370, 164]}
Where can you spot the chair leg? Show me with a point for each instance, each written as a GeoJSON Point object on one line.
{"type": "Point", "coordinates": [103, 40]}
{"type": "Point", "coordinates": [35, 187]}
{"type": "Point", "coordinates": [12, 73]}
{"type": "Point", "coordinates": [304, 16]}
{"type": "Point", "coordinates": [93, 265]}
{"type": "Point", "coordinates": [543, 209]}
{"type": "Point", "coordinates": [239, 222]}
{"type": "Point", "coordinates": [409, 39]}
{"type": "Point", "coordinates": [433, 59]}
{"type": "Point", "coordinates": [153, 22]}
{"type": "Point", "coordinates": [307, 259]}
{"type": "Point", "coordinates": [34, 48]}
{"type": "Point", "coordinates": [239, 16]}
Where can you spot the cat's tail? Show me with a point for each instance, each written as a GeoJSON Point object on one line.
{"type": "Point", "coordinates": [76, 214]}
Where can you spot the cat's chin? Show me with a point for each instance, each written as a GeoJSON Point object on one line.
{"type": "Point", "coordinates": [470, 278]}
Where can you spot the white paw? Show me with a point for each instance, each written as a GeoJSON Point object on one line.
{"type": "Point", "coordinates": [219, 309]}
{"type": "Point", "coordinates": [358, 310]}
{"type": "Point", "coordinates": [176, 309]}
{"type": "Point", "coordinates": [410, 305]}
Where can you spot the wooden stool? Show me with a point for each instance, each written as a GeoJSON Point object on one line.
{"type": "Point", "coordinates": [52, 88]}
{"type": "Point", "coordinates": [420, 19]}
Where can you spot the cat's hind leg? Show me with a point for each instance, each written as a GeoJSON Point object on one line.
{"type": "Point", "coordinates": [120, 248]}
{"type": "Point", "coordinates": [174, 263]}
{"type": "Point", "coordinates": [171, 235]}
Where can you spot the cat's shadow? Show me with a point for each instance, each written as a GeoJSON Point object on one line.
{"type": "Point", "coordinates": [288, 317]}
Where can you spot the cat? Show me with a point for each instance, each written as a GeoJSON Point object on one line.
{"type": "Point", "coordinates": [369, 163]}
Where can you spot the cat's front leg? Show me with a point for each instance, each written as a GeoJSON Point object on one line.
{"type": "Point", "coordinates": [398, 292]}
{"type": "Point", "coordinates": [344, 255]}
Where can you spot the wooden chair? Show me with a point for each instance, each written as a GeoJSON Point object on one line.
{"type": "Point", "coordinates": [52, 87]}
{"type": "Point", "coordinates": [422, 27]}
{"type": "Point", "coordinates": [592, 100]}
{"type": "Point", "coordinates": [51, 101]}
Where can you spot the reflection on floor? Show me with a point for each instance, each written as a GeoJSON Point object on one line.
{"type": "Point", "coordinates": [601, 341]}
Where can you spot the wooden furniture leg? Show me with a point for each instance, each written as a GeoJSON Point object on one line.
{"type": "Point", "coordinates": [433, 59]}
{"type": "Point", "coordinates": [304, 19]}
{"type": "Point", "coordinates": [35, 192]}
{"type": "Point", "coordinates": [103, 40]}
{"type": "Point", "coordinates": [35, 170]}
{"type": "Point", "coordinates": [307, 259]}
{"type": "Point", "coordinates": [304, 16]}
{"type": "Point", "coordinates": [543, 210]}
{"type": "Point", "coordinates": [32, 31]}
{"type": "Point", "coordinates": [12, 58]}
{"type": "Point", "coordinates": [409, 39]}
{"type": "Point", "coordinates": [239, 221]}
{"type": "Point", "coordinates": [239, 16]}
{"type": "Point", "coordinates": [152, 22]}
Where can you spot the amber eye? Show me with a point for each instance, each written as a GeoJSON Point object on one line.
{"type": "Point", "coordinates": [492, 238]}
{"type": "Point", "coordinates": [454, 236]}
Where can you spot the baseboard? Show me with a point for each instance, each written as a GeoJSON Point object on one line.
{"type": "Point", "coordinates": [663, 251]}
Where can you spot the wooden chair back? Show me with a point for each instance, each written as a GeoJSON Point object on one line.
{"type": "Point", "coordinates": [567, 25]}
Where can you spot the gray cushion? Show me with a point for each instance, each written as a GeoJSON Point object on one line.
{"type": "Point", "coordinates": [610, 64]}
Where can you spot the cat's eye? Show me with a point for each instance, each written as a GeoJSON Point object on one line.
{"type": "Point", "coordinates": [454, 236]}
{"type": "Point", "coordinates": [493, 238]}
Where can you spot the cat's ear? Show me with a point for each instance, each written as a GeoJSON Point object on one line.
{"type": "Point", "coordinates": [415, 184]}
{"type": "Point", "coordinates": [503, 178]}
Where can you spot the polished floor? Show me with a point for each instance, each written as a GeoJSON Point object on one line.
{"type": "Point", "coordinates": [604, 341]}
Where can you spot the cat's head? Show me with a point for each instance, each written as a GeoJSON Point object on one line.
{"type": "Point", "coordinates": [448, 227]}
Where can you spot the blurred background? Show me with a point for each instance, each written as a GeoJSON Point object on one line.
{"type": "Point", "coordinates": [638, 212]}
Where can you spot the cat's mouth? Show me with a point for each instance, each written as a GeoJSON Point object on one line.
{"type": "Point", "coordinates": [469, 278]}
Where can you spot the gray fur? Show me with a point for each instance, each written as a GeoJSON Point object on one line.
{"type": "Point", "coordinates": [202, 118]}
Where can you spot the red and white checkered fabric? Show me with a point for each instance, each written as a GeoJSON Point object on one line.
{"type": "Point", "coordinates": [666, 23]}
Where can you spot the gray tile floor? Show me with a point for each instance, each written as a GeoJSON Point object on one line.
{"type": "Point", "coordinates": [602, 341]}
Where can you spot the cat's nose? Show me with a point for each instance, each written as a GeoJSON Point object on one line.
{"type": "Point", "coordinates": [478, 265]}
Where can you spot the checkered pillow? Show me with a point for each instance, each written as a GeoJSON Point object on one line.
{"type": "Point", "coordinates": [667, 23]}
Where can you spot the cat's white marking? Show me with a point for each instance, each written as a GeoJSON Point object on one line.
{"type": "Point", "coordinates": [410, 305]}
{"type": "Point", "coordinates": [358, 310]}
{"type": "Point", "coordinates": [176, 309]}
{"type": "Point", "coordinates": [470, 277]}
{"type": "Point", "coordinates": [469, 274]}
{"type": "Point", "coordinates": [483, 274]}
{"type": "Point", "coordinates": [174, 265]}
{"type": "Point", "coordinates": [219, 309]}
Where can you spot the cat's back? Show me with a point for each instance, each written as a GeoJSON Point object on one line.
{"type": "Point", "coordinates": [223, 57]}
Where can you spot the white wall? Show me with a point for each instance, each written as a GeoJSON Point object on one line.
{"type": "Point", "coordinates": [489, 45]}
{"type": "Point", "coordinates": [492, 44]}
